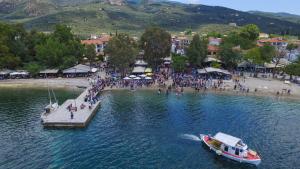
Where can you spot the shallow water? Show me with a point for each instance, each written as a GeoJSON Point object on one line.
{"type": "Point", "coordinates": [145, 130]}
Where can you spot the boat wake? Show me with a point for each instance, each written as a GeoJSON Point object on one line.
{"type": "Point", "coordinates": [190, 137]}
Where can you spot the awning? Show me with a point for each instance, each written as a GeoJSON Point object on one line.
{"type": "Point", "coordinates": [126, 78]}
{"type": "Point", "coordinates": [227, 139]}
{"type": "Point", "coordinates": [5, 72]}
{"type": "Point", "coordinates": [213, 70]}
{"type": "Point", "coordinates": [19, 73]}
{"type": "Point", "coordinates": [77, 69]}
{"type": "Point", "coordinates": [49, 71]}
{"type": "Point", "coordinates": [148, 70]}
{"type": "Point", "coordinates": [211, 59]}
{"type": "Point", "coordinates": [138, 69]}
{"type": "Point", "coordinates": [141, 63]}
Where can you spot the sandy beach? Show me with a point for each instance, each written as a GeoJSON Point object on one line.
{"type": "Point", "coordinates": [265, 87]}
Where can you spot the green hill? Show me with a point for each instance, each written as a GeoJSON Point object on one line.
{"type": "Point", "coordinates": [279, 15]}
{"type": "Point", "coordinates": [95, 16]}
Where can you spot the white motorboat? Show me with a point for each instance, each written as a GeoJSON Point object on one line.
{"type": "Point", "coordinates": [231, 147]}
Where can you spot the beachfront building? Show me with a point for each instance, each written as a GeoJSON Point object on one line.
{"type": "Point", "coordinates": [99, 42]}
{"type": "Point", "coordinates": [4, 74]}
{"type": "Point", "coordinates": [20, 74]}
{"type": "Point", "coordinates": [79, 71]}
{"type": "Point", "coordinates": [215, 73]}
{"type": "Point", "coordinates": [179, 44]}
{"type": "Point", "coordinates": [49, 73]}
{"type": "Point", "coordinates": [278, 43]}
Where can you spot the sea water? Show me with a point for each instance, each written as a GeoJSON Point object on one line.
{"type": "Point", "coordinates": [142, 129]}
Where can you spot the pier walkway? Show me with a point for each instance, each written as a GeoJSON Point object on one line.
{"type": "Point", "coordinates": [61, 117]}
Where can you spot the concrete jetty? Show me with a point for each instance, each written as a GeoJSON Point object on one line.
{"type": "Point", "coordinates": [61, 117]}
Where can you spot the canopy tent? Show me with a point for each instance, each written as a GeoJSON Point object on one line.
{"type": "Point", "coordinates": [23, 73]}
{"type": "Point", "coordinates": [148, 78]}
{"type": "Point", "coordinates": [94, 70]}
{"type": "Point", "coordinates": [227, 139]}
{"type": "Point", "coordinates": [138, 69]}
{"type": "Point", "coordinates": [213, 70]}
{"type": "Point", "coordinates": [5, 72]}
{"type": "Point", "coordinates": [149, 74]}
{"type": "Point", "coordinates": [211, 59]}
{"type": "Point", "coordinates": [167, 63]}
{"type": "Point", "coordinates": [168, 59]}
{"type": "Point", "coordinates": [137, 78]}
{"type": "Point", "coordinates": [148, 70]}
{"type": "Point", "coordinates": [143, 75]}
{"type": "Point", "coordinates": [132, 76]}
{"type": "Point", "coordinates": [126, 78]}
{"type": "Point", "coordinates": [82, 69]}
{"type": "Point", "coordinates": [140, 63]}
{"type": "Point", "coordinates": [49, 71]}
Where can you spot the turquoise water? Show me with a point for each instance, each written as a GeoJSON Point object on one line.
{"type": "Point", "coordinates": [145, 130]}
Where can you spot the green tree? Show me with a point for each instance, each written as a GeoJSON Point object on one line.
{"type": "Point", "coordinates": [292, 69]}
{"type": "Point", "coordinates": [122, 51]}
{"type": "Point", "coordinates": [250, 32]}
{"type": "Point", "coordinates": [33, 68]}
{"type": "Point", "coordinates": [229, 55]}
{"type": "Point", "coordinates": [237, 40]}
{"type": "Point", "coordinates": [254, 56]}
{"type": "Point", "coordinates": [51, 53]}
{"type": "Point", "coordinates": [179, 63]}
{"type": "Point", "coordinates": [10, 62]}
{"type": "Point", "coordinates": [267, 52]}
{"type": "Point", "coordinates": [197, 51]}
{"type": "Point", "coordinates": [90, 53]}
{"type": "Point", "coordinates": [156, 43]}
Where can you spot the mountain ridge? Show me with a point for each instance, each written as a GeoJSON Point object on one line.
{"type": "Point", "coordinates": [92, 16]}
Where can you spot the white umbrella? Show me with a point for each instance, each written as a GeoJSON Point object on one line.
{"type": "Point", "coordinates": [137, 78]}
{"type": "Point", "coordinates": [132, 76]}
{"type": "Point", "coordinates": [126, 78]}
{"type": "Point", "coordinates": [143, 75]}
{"type": "Point", "coordinates": [148, 78]}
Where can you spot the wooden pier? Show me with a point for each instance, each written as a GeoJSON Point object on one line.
{"type": "Point", "coordinates": [61, 117]}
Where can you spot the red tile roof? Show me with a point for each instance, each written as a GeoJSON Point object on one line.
{"type": "Point", "coordinates": [272, 40]}
{"type": "Point", "coordinates": [97, 41]}
{"type": "Point", "coordinates": [212, 48]}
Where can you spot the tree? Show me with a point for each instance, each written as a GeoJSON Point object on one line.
{"type": "Point", "coordinates": [51, 53]}
{"type": "Point", "coordinates": [292, 69]}
{"type": "Point", "coordinates": [279, 54]}
{"type": "Point", "coordinates": [250, 32]}
{"type": "Point", "coordinates": [90, 53]}
{"type": "Point", "coordinates": [122, 51]}
{"type": "Point", "coordinates": [179, 63]}
{"type": "Point", "coordinates": [197, 51]}
{"type": "Point", "coordinates": [10, 62]}
{"type": "Point", "coordinates": [33, 68]}
{"type": "Point", "coordinates": [237, 40]}
{"type": "Point", "coordinates": [267, 52]}
{"type": "Point", "coordinates": [156, 43]}
{"type": "Point", "coordinates": [229, 55]}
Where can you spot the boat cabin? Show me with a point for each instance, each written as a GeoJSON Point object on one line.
{"type": "Point", "coordinates": [231, 145]}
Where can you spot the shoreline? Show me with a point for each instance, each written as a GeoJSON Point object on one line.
{"type": "Point", "coordinates": [79, 83]}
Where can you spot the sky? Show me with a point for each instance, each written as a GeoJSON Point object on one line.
{"type": "Point", "coordinates": [289, 6]}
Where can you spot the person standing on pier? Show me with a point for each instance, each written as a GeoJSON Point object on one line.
{"type": "Point", "coordinates": [72, 115]}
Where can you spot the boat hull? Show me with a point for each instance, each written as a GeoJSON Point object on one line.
{"type": "Point", "coordinates": [227, 155]}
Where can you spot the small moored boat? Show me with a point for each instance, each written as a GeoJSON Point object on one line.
{"type": "Point", "coordinates": [231, 147]}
